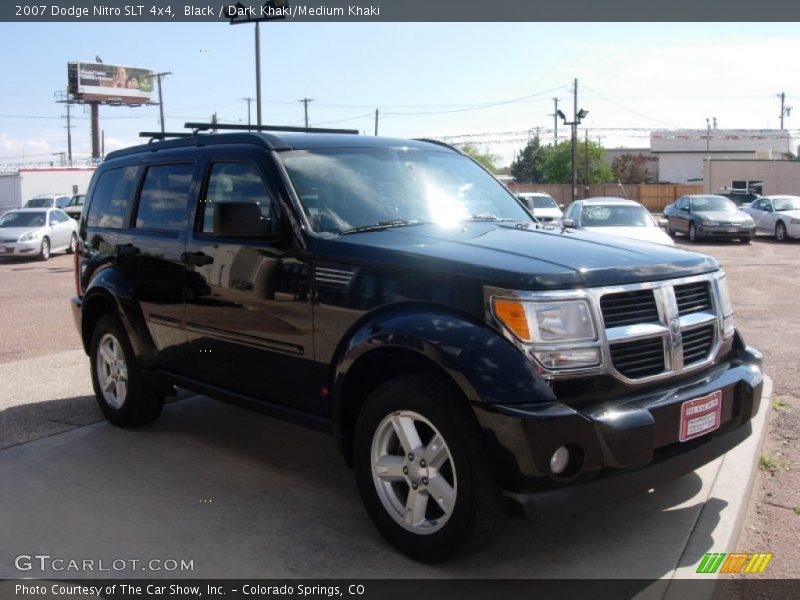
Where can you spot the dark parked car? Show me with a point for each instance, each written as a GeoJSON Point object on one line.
{"type": "Point", "coordinates": [709, 216]}
{"type": "Point", "coordinates": [392, 293]}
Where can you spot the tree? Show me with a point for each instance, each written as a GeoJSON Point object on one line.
{"type": "Point", "coordinates": [527, 167]}
{"type": "Point", "coordinates": [557, 163]}
{"type": "Point", "coordinates": [488, 160]}
{"type": "Point", "coordinates": [629, 168]}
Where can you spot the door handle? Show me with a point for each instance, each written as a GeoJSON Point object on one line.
{"type": "Point", "coordinates": [126, 250]}
{"type": "Point", "coordinates": [196, 258]}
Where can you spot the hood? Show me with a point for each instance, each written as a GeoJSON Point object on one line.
{"type": "Point", "coordinates": [722, 216]}
{"type": "Point", "coordinates": [502, 255]}
{"type": "Point", "coordinates": [8, 233]}
{"type": "Point", "coordinates": [645, 234]}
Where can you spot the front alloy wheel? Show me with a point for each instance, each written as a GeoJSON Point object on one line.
{"type": "Point", "coordinates": [780, 232]}
{"type": "Point", "coordinates": [44, 252]}
{"type": "Point", "coordinates": [692, 233]}
{"type": "Point", "coordinates": [112, 372]}
{"type": "Point", "coordinates": [414, 472]}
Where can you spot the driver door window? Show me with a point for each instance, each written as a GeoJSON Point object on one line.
{"type": "Point", "coordinates": [234, 182]}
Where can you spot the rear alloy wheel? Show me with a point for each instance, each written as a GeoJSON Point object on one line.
{"type": "Point", "coordinates": [73, 243]}
{"type": "Point", "coordinates": [780, 232]}
{"type": "Point", "coordinates": [118, 383]}
{"type": "Point", "coordinates": [422, 470]}
{"type": "Point", "coordinates": [692, 233]}
{"type": "Point", "coordinates": [44, 251]}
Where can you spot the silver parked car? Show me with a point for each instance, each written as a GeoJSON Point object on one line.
{"type": "Point", "coordinates": [75, 206]}
{"type": "Point", "coordinates": [776, 215]}
{"type": "Point", "coordinates": [615, 216]}
{"type": "Point", "coordinates": [37, 232]}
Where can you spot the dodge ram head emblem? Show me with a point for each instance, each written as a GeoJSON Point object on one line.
{"type": "Point", "coordinates": [675, 337]}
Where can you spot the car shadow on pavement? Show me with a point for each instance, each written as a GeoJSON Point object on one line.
{"type": "Point", "coordinates": [24, 423]}
{"type": "Point", "coordinates": [246, 495]}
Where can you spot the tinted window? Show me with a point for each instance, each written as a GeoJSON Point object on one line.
{"type": "Point", "coordinates": [616, 216]}
{"type": "Point", "coordinates": [111, 198]}
{"type": "Point", "coordinates": [164, 197]}
{"type": "Point", "coordinates": [62, 201]}
{"type": "Point", "coordinates": [233, 182]}
{"type": "Point", "coordinates": [543, 202]}
{"type": "Point", "coordinates": [39, 203]}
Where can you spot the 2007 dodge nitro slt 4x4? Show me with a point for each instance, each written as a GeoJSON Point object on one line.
{"type": "Point", "coordinates": [466, 359]}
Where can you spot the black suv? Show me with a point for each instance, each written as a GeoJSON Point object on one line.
{"type": "Point", "coordinates": [466, 359]}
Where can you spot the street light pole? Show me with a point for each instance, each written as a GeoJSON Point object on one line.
{"type": "Point", "coordinates": [577, 116]}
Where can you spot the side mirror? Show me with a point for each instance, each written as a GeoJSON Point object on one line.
{"type": "Point", "coordinates": [663, 223]}
{"type": "Point", "coordinates": [242, 219]}
{"type": "Point", "coordinates": [568, 224]}
{"type": "Point", "coordinates": [561, 206]}
{"type": "Point", "coordinates": [685, 209]}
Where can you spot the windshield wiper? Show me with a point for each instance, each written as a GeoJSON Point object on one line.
{"type": "Point", "coordinates": [380, 225]}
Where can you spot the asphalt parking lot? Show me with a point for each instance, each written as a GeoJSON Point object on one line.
{"type": "Point", "coordinates": [247, 496]}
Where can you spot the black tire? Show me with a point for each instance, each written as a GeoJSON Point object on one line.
{"type": "Point", "coordinates": [139, 405]}
{"type": "Point", "coordinates": [780, 232]}
{"type": "Point", "coordinates": [692, 233]}
{"type": "Point", "coordinates": [478, 509]}
{"type": "Point", "coordinates": [73, 243]}
{"type": "Point", "coordinates": [670, 232]}
{"type": "Point", "coordinates": [44, 250]}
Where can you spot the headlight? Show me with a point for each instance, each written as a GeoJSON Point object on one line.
{"type": "Point", "coordinates": [28, 237]}
{"type": "Point", "coordinates": [795, 221]}
{"type": "Point", "coordinates": [551, 327]}
{"type": "Point", "coordinates": [726, 306]}
{"type": "Point", "coordinates": [709, 223]}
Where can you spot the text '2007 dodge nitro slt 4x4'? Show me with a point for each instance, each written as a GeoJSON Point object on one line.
{"type": "Point", "coordinates": [466, 359]}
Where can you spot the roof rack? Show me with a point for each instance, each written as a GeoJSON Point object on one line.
{"type": "Point", "coordinates": [197, 127]}
{"type": "Point", "coordinates": [159, 135]}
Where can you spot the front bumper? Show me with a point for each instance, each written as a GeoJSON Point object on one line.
{"type": "Point", "coordinates": [623, 445]}
{"type": "Point", "coordinates": [20, 248]}
{"type": "Point", "coordinates": [726, 231]}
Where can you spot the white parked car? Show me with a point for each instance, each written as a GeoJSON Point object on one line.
{"type": "Point", "coordinates": [615, 216]}
{"type": "Point", "coordinates": [776, 215]}
{"type": "Point", "coordinates": [37, 232]}
{"type": "Point", "coordinates": [541, 205]}
{"type": "Point", "coordinates": [48, 201]}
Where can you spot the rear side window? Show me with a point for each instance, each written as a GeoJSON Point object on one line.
{"type": "Point", "coordinates": [111, 198]}
{"type": "Point", "coordinates": [233, 182]}
{"type": "Point", "coordinates": [164, 197]}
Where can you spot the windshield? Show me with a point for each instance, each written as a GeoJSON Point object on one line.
{"type": "Point", "coordinates": [786, 203]}
{"type": "Point", "coordinates": [77, 200]}
{"type": "Point", "coordinates": [39, 203]}
{"type": "Point", "coordinates": [615, 216]}
{"type": "Point", "coordinates": [345, 188]}
{"type": "Point", "coordinates": [23, 219]}
{"type": "Point", "coordinates": [713, 203]}
{"type": "Point", "coordinates": [543, 202]}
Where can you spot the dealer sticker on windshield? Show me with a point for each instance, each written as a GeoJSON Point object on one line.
{"type": "Point", "coordinates": [701, 415]}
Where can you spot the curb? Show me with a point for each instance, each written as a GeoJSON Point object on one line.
{"type": "Point", "coordinates": [732, 487]}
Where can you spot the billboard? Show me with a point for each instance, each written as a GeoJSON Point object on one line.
{"type": "Point", "coordinates": [109, 84]}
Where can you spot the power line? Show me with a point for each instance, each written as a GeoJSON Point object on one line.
{"type": "Point", "coordinates": [630, 110]}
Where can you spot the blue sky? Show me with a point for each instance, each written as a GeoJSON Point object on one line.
{"type": "Point", "coordinates": [637, 76]}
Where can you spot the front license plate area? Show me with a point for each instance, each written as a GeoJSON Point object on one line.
{"type": "Point", "coordinates": [700, 416]}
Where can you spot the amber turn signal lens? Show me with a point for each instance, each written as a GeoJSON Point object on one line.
{"type": "Point", "coordinates": [511, 313]}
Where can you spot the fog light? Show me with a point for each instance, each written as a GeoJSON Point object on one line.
{"type": "Point", "coordinates": [559, 460]}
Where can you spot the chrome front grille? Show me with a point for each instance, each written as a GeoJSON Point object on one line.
{"type": "Point", "coordinates": [628, 308]}
{"type": "Point", "coordinates": [639, 358]}
{"type": "Point", "coordinates": [659, 329]}
{"type": "Point", "coordinates": [693, 297]}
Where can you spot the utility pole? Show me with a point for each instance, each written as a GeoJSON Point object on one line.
{"type": "Point", "coordinates": [305, 102]}
{"type": "Point", "coordinates": [785, 110]}
{"type": "Point", "coordinates": [555, 122]}
{"type": "Point", "coordinates": [158, 77]}
{"type": "Point", "coordinates": [714, 123]}
{"type": "Point", "coordinates": [586, 164]}
{"type": "Point", "coordinates": [708, 138]}
{"type": "Point", "coordinates": [248, 100]}
{"type": "Point", "coordinates": [376, 121]}
{"type": "Point", "coordinates": [576, 120]}
{"type": "Point", "coordinates": [574, 139]}
{"type": "Point", "coordinates": [64, 98]}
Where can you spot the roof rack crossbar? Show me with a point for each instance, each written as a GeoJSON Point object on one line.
{"type": "Point", "coordinates": [158, 135]}
{"type": "Point", "coordinates": [196, 127]}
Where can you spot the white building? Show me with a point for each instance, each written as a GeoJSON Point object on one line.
{"type": "Point", "coordinates": [19, 186]}
{"type": "Point", "coordinates": [682, 153]}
